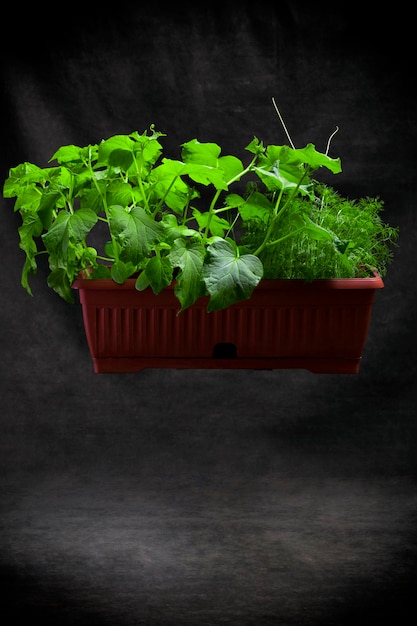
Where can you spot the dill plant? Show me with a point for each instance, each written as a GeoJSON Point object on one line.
{"type": "Point", "coordinates": [359, 242]}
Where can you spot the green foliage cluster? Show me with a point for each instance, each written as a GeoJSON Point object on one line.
{"type": "Point", "coordinates": [119, 209]}
{"type": "Point", "coordinates": [358, 240]}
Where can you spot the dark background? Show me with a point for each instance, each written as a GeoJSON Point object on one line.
{"type": "Point", "coordinates": [209, 497]}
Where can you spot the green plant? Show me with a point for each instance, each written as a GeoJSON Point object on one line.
{"type": "Point", "coordinates": [356, 242]}
{"type": "Point", "coordinates": [206, 221]}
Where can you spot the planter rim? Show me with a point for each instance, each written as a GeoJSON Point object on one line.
{"type": "Point", "coordinates": [368, 282]}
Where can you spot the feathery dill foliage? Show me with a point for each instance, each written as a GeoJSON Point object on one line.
{"type": "Point", "coordinates": [360, 241]}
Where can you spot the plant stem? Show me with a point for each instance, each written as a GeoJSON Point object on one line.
{"type": "Point", "coordinates": [211, 211]}
{"type": "Point", "coordinates": [104, 201]}
{"type": "Point", "coordinates": [294, 232]}
{"type": "Point", "coordinates": [162, 200]}
{"type": "Point", "coordinates": [280, 212]}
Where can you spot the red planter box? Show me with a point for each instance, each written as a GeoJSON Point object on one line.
{"type": "Point", "coordinates": [320, 326]}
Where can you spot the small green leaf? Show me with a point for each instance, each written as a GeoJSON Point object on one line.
{"type": "Point", "coordinates": [234, 200]}
{"type": "Point", "coordinates": [101, 271]}
{"type": "Point", "coordinates": [317, 232]}
{"type": "Point", "coordinates": [218, 225]}
{"type": "Point", "coordinates": [173, 230]}
{"type": "Point", "coordinates": [29, 269]}
{"type": "Point", "coordinates": [256, 146]}
{"type": "Point", "coordinates": [119, 272]}
{"type": "Point", "coordinates": [112, 249]}
{"type": "Point", "coordinates": [59, 282]}
{"type": "Point", "coordinates": [142, 282]}
{"type": "Point", "coordinates": [151, 149]}
{"type": "Point", "coordinates": [31, 228]}
{"type": "Point", "coordinates": [256, 207]}
{"type": "Point", "coordinates": [343, 245]}
{"type": "Point", "coordinates": [89, 255]}
{"type": "Point", "coordinates": [159, 272]}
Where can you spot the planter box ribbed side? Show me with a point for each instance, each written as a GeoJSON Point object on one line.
{"type": "Point", "coordinates": [320, 326]}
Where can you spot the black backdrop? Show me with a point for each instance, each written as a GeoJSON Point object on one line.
{"type": "Point", "coordinates": [208, 455]}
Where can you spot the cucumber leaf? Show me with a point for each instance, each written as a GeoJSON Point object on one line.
{"type": "Point", "coordinates": [188, 255]}
{"type": "Point", "coordinates": [135, 230]}
{"type": "Point", "coordinates": [229, 276]}
{"type": "Point", "coordinates": [158, 272]}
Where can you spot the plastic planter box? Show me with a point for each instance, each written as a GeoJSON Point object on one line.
{"type": "Point", "coordinates": [320, 326]}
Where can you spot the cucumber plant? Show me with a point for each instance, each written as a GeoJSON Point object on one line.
{"type": "Point", "coordinates": [206, 222]}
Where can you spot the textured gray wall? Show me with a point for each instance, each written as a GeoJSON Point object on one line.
{"type": "Point", "coordinates": [205, 438]}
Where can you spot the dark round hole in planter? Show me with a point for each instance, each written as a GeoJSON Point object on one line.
{"type": "Point", "coordinates": [225, 351]}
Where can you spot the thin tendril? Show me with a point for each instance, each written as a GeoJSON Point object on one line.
{"type": "Point", "coordinates": [329, 140]}
{"type": "Point", "coordinates": [283, 124]}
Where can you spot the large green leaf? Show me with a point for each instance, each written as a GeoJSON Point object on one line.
{"type": "Point", "coordinates": [117, 151]}
{"type": "Point", "coordinates": [123, 150]}
{"type": "Point", "coordinates": [311, 157]}
{"type": "Point", "coordinates": [229, 276]}
{"type": "Point", "coordinates": [284, 177]}
{"type": "Point", "coordinates": [29, 199]}
{"type": "Point", "coordinates": [23, 175]}
{"type": "Point", "coordinates": [307, 156]}
{"type": "Point", "coordinates": [201, 153]}
{"type": "Point", "coordinates": [68, 227]}
{"type": "Point", "coordinates": [151, 150]}
{"type": "Point", "coordinates": [73, 154]}
{"type": "Point", "coordinates": [206, 166]}
{"type": "Point", "coordinates": [284, 168]}
{"type": "Point", "coordinates": [168, 186]}
{"type": "Point", "coordinates": [30, 229]}
{"type": "Point", "coordinates": [119, 193]}
{"type": "Point", "coordinates": [207, 175]}
{"type": "Point", "coordinates": [188, 255]}
{"type": "Point", "coordinates": [231, 166]}
{"type": "Point", "coordinates": [93, 198]}
{"type": "Point", "coordinates": [135, 230]}
{"type": "Point", "coordinates": [120, 271]}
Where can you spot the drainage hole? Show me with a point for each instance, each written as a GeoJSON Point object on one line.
{"type": "Point", "coordinates": [225, 351]}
